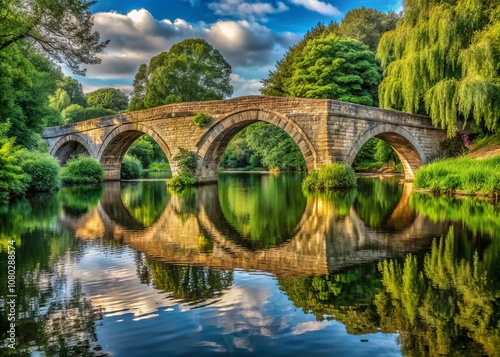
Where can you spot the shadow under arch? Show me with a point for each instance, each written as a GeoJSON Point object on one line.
{"type": "Point", "coordinates": [70, 145]}
{"type": "Point", "coordinates": [405, 145]}
{"type": "Point", "coordinates": [212, 144]}
{"type": "Point", "coordinates": [117, 142]}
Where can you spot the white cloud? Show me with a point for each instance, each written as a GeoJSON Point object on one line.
{"type": "Point", "coordinates": [318, 6]}
{"type": "Point", "coordinates": [136, 37]}
{"type": "Point", "coordinates": [243, 86]}
{"type": "Point", "coordinates": [243, 9]}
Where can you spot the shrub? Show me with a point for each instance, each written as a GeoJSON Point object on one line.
{"type": "Point", "coordinates": [330, 176]}
{"type": "Point", "coordinates": [43, 170]}
{"type": "Point", "coordinates": [201, 119]}
{"type": "Point", "coordinates": [159, 166]}
{"type": "Point", "coordinates": [186, 164]}
{"type": "Point", "coordinates": [81, 169]}
{"type": "Point", "coordinates": [131, 168]}
{"type": "Point", "coordinates": [13, 181]}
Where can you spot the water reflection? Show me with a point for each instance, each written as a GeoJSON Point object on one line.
{"type": "Point", "coordinates": [165, 270]}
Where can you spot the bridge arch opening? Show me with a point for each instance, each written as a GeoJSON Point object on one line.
{"type": "Point", "coordinates": [117, 144]}
{"type": "Point", "coordinates": [213, 144]}
{"type": "Point", "coordinates": [403, 143]}
{"type": "Point", "coordinates": [68, 147]}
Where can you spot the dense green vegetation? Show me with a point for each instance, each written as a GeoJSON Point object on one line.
{"type": "Point", "coordinates": [252, 219]}
{"type": "Point", "coordinates": [442, 60]}
{"type": "Point", "coordinates": [330, 176]}
{"type": "Point", "coordinates": [82, 170]}
{"type": "Point", "coordinates": [185, 161]}
{"type": "Point", "coordinates": [201, 119]}
{"type": "Point", "coordinates": [263, 146]}
{"type": "Point", "coordinates": [471, 176]}
{"type": "Point", "coordinates": [131, 168]}
{"type": "Point", "coordinates": [191, 70]}
{"type": "Point", "coordinates": [444, 307]}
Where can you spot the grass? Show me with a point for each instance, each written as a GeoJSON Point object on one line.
{"type": "Point", "coordinates": [464, 175]}
{"type": "Point", "coordinates": [330, 176]}
{"type": "Point", "coordinates": [487, 140]}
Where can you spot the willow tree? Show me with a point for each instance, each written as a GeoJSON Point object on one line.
{"type": "Point", "coordinates": [442, 59]}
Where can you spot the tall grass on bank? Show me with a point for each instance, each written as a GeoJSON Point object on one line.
{"type": "Point", "coordinates": [470, 176]}
{"type": "Point", "coordinates": [330, 176]}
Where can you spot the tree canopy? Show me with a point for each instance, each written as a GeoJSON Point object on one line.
{"type": "Point", "coordinates": [367, 25]}
{"type": "Point", "coordinates": [442, 59]}
{"type": "Point", "coordinates": [191, 70]}
{"type": "Point", "coordinates": [336, 68]}
{"type": "Point", "coordinates": [108, 98]}
{"type": "Point", "coordinates": [60, 28]}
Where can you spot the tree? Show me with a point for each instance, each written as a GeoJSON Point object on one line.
{"type": "Point", "coordinates": [60, 28]}
{"type": "Point", "coordinates": [27, 79]}
{"type": "Point", "coordinates": [367, 25]}
{"type": "Point", "coordinates": [13, 181]}
{"type": "Point", "coordinates": [74, 90]}
{"type": "Point", "coordinates": [442, 60]}
{"type": "Point", "coordinates": [75, 113]}
{"type": "Point", "coordinates": [108, 98]}
{"type": "Point", "coordinates": [139, 92]}
{"type": "Point", "coordinates": [335, 68]}
{"type": "Point", "coordinates": [59, 100]}
{"type": "Point", "coordinates": [191, 70]}
{"type": "Point", "coordinates": [142, 149]}
{"type": "Point", "coordinates": [275, 83]}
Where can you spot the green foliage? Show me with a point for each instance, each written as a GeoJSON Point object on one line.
{"type": "Point", "coordinates": [442, 59]}
{"type": "Point", "coordinates": [26, 81]}
{"type": "Point", "coordinates": [159, 166]}
{"type": "Point", "coordinates": [74, 90]}
{"type": "Point", "coordinates": [367, 25]}
{"type": "Point", "coordinates": [185, 161]}
{"type": "Point", "coordinates": [330, 176]}
{"type": "Point", "coordinates": [471, 176]}
{"type": "Point", "coordinates": [13, 181]}
{"type": "Point", "coordinates": [275, 83]}
{"type": "Point", "coordinates": [75, 113]}
{"type": "Point", "coordinates": [108, 98]}
{"type": "Point", "coordinates": [131, 168]}
{"type": "Point", "coordinates": [191, 70]}
{"type": "Point", "coordinates": [139, 89]}
{"type": "Point", "coordinates": [43, 170]}
{"type": "Point", "coordinates": [142, 149]}
{"type": "Point", "coordinates": [62, 29]}
{"type": "Point", "coordinates": [345, 296]}
{"type": "Point", "coordinates": [201, 119]}
{"type": "Point", "coordinates": [335, 68]}
{"type": "Point", "coordinates": [446, 308]}
{"type": "Point", "coordinates": [255, 220]}
{"type": "Point", "coordinates": [263, 146]}
{"type": "Point", "coordinates": [60, 99]}
{"type": "Point", "coordinates": [81, 170]}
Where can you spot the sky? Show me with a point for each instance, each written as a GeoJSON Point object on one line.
{"type": "Point", "coordinates": [252, 35]}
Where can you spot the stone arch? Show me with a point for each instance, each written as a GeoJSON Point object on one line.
{"type": "Point", "coordinates": [69, 145]}
{"type": "Point", "coordinates": [212, 144]}
{"type": "Point", "coordinates": [116, 144]}
{"type": "Point", "coordinates": [403, 143]}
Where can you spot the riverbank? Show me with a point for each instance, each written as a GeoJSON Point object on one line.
{"type": "Point", "coordinates": [475, 174]}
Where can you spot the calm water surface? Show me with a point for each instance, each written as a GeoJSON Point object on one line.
{"type": "Point", "coordinates": [252, 266]}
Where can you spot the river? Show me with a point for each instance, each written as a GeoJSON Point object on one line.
{"type": "Point", "coordinates": [251, 265]}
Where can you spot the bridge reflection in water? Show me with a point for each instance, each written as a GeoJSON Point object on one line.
{"type": "Point", "coordinates": [192, 229]}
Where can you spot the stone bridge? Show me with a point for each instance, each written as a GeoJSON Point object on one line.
{"type": "Point", "coordinates": [325, 131]}
{"type": "Point", "coordinates": [324, 241]}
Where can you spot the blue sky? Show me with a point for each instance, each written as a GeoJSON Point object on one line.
{"type": "Point", "coordinates": [251, 34]}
